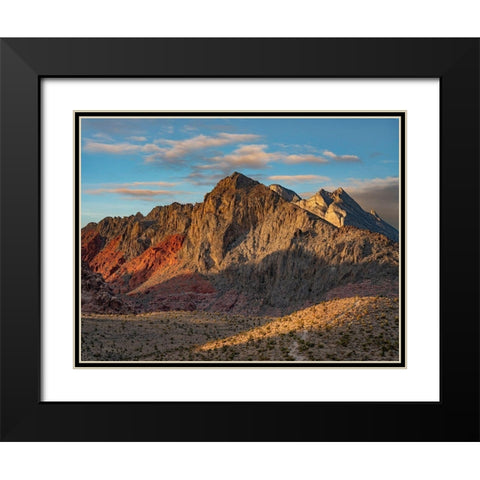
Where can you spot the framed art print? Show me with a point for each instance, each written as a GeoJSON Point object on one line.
{"type": "Point", "coordinates": [228, 271]}
{"type": "Point", "coordinates": [205, 243]}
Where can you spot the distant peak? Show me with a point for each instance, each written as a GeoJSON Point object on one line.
{"type": "Point", "coordinates": [236, 175]}
{"type": "Point", "coordinates": [242, 180]}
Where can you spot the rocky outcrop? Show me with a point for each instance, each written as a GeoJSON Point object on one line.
{"type": "Point", "coordinates": [113, 241]}
{"type": "Point", "coordinates": [108, 259]}
{"type": "Point", "coordinates": [92, 243]}
{"type": "Point", "coordinates": [139, 269]}
{"type": "Point", "coordinates": [136, 233]}
{"type": "Point", "coordinates": [285, 193]}
{"type": "Point", "coordinates": [340, 209]}
{"type": "Point", "coordinates": [98, 296]}
{"type": "Point", "coordinates": [229, 213]}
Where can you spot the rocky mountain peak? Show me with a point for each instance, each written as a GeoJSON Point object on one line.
{"type": "Point", "coordinates": [323, 197]}
{"type": "Point", "coordinates": [341, 195]}
{"type": "Point", "coordinates": [235, 181]}
{"type": "Point", "coordinates": [285, 193]}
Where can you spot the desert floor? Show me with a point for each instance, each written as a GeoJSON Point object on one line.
{"type": "Point", "coordinates": [349, 329]}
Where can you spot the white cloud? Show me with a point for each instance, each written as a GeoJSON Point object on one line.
{"type": "Point", "coordinates": [129, 192]}
{"type": "Point", "coordinates": [133, 184]}
{"type": "Point", "coordinates": [180, 148]}
{"type": "Point", "coordinates": [169, 150]}
{"type": "Point", "coordinates": [137, 139]}
{"type": "Point", "coordinates": [246, 156]}
{"type": "Point", "coordinates": [119, 148]}
{"type": "Point", "coordinates": [163, 184]}
{"type": "Point", "coordinates": [200, 178]}
{"type": "Point", "coordinates": [341, 158]}
{"type": "Point", "coordinates": [103, 136]}
{"type": "Point", "coordinates": [147, 195]}
{"type": "Point", "coordinates": [305, 158]}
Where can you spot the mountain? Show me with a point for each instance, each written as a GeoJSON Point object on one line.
{"type": "Point", "coordinates": [340, 209]}
{"type": "Point", "coordinates": [246, 248]}
{"type": "Point", "coordinates": [285, 193]}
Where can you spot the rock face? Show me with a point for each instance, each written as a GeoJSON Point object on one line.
{"type": "Point", "coordinates": [98, 296]}
{"type": "Point", "coordinates": [244, 249]}
{"type": "Point", "coordinates": [92, 243]}
{"type": "Point", "coordinates": [285, 193]}
{"type": "Point", "coordinates": [139, 269]}
{"type": "Point", "coordinates": [340, 209]}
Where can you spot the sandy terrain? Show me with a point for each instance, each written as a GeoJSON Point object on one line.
{"type": "Point", "coordinates": [350, 329]}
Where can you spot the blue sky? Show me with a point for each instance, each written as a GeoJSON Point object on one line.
{"type": "Point", "coordinates": [130, 165]}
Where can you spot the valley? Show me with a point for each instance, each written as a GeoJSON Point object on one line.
{"type": "Point", "coordinates": [353, 329]}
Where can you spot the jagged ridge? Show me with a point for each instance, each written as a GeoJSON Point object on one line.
{"type": "Point", "coordinates": [340, 209]}
{"type": "Point", "coordinates": [257, 250]}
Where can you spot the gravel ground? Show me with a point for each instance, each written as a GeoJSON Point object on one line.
{"type": "Point", "coordinates": [349, 329]}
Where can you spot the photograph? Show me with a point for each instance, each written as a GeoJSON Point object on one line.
{"type": "Point", "coordinates": [240, 239]}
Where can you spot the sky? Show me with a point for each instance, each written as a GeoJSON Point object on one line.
{"type": "Point", "coordinates": [131, 165]}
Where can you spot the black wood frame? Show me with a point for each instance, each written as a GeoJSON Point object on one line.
{"type": "Point", "coordinates": [24, 62]}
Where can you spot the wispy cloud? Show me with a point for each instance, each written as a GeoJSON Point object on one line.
{"type": "Point", "coordinates": [297, 146]}
{"type": "Point", "coordinates": [305, 158]}
{"type": "Point", "coordinates": [137, 139]}
{"type": "Point", "coordinates": [341, 158]}
{"type": "Point", "coordinates": [140, 194]}
{"type": "Point", "coordinates": [299, 178]}
{"type": "Point", "coordinates": [313, 155]}
{"type": "Point", "coordinates": [120, 148]}
{"type": "Point", "coordinates": [246, 156]}
{"type": "Point", "coordinates": [167, 129]}
{"type": "Point", "coordinates": [204, 179]}
{"type": "Point", "coordinates": [130, 192]}
{"type": "Point", "coordinates": [251, 155]}
{"type": "Point", "coordinates": [163, 184]}
{"type": "Point", "coordinates": [103, 136]}
{"type": "Point", "coordinates": [180, 148]}
{"type": "Point", "coordinates": [256, 156]}
{"type": "Point", "coordinates": [189, 128]}
{"type": "Point", "coordinates": [132, 184]}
